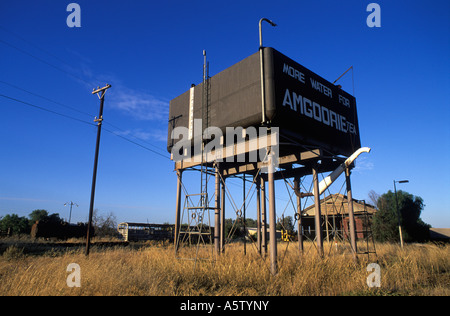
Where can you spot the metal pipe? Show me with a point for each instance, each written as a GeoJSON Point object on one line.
{"type": "Point", "coordinates": [318, 217]}
{"type": "Point", "coordinates": [272, 217]}
{"type": "Point", "coordinates": [260, 29]}
{"type": "Point", "coordinates": [261, 59]}
{"type": "Point", "coordinates": [297, 192]}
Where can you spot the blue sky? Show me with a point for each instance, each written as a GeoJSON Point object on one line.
{"type": "Point", "coordinates": [151, 51]}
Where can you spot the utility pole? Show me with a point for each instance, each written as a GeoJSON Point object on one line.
{"type": "Point", "coordinates": [398, 211]}
{"type": "Point", "coordinates": [101, 95]}
{"type": "Point", "coordinates": [71, 204]}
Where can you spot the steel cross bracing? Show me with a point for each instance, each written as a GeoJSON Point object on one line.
{"type": "Point", "coordinates": [295, 166]}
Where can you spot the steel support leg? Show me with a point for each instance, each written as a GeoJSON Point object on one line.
{"type": "Point", "coordinates": [178, 210]}
{"type": "Point", "coordinates": [217, 211]}
{"type": "Point", "coordinates": [222, 217]}
{"type": "Point", "coordinates": [351, 216]}
{"type": "Point", "coordinates": [318, 215]}
{"type": "Point", "coordinates": [272, 217]}
{"type": "Point", "coordinates": [263, 217]}
{"type": "Point", "coordinates": [299, 218]}
{"type": "Point", "coordinates": [258, 214]}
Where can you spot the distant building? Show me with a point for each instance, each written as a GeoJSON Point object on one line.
{"type": "Point", "coordinates": [335, 220]}
{"type": "Point", "coordinates": [337, 204]}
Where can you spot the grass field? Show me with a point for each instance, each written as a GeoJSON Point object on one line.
{"type": "Point", "coordinates": [152, 269]}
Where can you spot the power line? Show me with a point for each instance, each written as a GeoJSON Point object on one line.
{"type": "Point", "coordinates": [45, 62]}
{"type": "Point", "coordinates": [79, 111]}
{"type": "Point", "coordinates": [59, 103]}
{"type": "Point", "coordinates": [61, 70]}
{"type": "Point", "coordinates": [135, 137]}
{"type": "Point", "coordinates": [46, 110]}
{"type": "Point", "coordinates": [82, 121]}
{"type": "Point", "coordinates": [45, 98]}
{"type": "Point", "coordinates": [137, 144]}
{"type": "Point", "coordinates": [34, 45]}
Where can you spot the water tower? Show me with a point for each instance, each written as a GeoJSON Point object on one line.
{"type": "Point", "coordinates": [266, 117]}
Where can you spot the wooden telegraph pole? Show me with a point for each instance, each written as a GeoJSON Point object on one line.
{"type": "Point", "coordinates": [101, 95]}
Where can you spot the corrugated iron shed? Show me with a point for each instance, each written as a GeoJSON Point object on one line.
{"type": "Point", "coordinates": [337, 204]}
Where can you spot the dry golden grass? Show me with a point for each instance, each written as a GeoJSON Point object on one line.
{"type": "Point", "coordinates": [154, 270]}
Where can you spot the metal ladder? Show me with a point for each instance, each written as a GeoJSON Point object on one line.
{"type": "Point", "coordinates": [196, 227]}
{"type": "Point", "coordinates": [368, 235]}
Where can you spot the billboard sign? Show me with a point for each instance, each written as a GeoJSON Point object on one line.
{"type": "Point", "coordinates": [304, 106]}
{"type": "Point", "coordinates": [312, 108]}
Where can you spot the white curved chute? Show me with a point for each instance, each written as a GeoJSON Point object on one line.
{"type": "Point", "coordinates": [325, 183]}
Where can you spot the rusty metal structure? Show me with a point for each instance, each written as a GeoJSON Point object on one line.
{"type": "Point", "coordinates": [268, 118]}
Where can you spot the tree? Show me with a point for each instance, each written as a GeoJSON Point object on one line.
{"type": "Point", "coordinates": [386, 220]}
{"type": "Point", "coordinates": [374, 197]}
{"type": "Point", "coordinates": [42, 215]}
{"type": "Point", "coordinates": [104, 225]}
{"type": "Point", "coordinates": [14, 224]}
{"type": "Point", "coordinates": [286, 223]}
{"type": "Point", "coordinates": [236, 227]}
{"type": "Point", "coordinates": [38, 215]}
